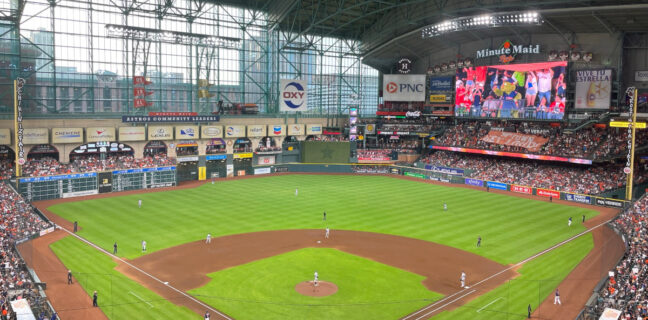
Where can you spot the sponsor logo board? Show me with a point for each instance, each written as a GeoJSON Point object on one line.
{"type": "Point", "coordinates": [67, 135]}
{"type": "Point", "coordinates": [548, 193]}
{"type": "Point", "coordinates": [256, 130]}
{"type": "Point", "coordinates": [207, 132]}
{"type": "Point", "coordinates": [276, 130]}
{"type": "Point", "coordinates": [132, 134]}
{"type": "Point", "coordinates": [5, 136]}
{"type": "Point", "coordinates": [404, 87]}
{"type": "Point", "coordinates": [295, 129]}
{"type": "Point", "coordinates": [160, 133]}
{"type": "Point", "coordinates": [186, 132]}
{"type": "Point", "coordinates": [609, 202]}
{"type": "Point", "coordinates": [96, 134]}
{"type": "Point", "coordinates": [261, 170]}
{"type": "Point", "coordinates": [235, 131]}
{"type": "Point", "coordinates": [496, 185]}
{"type": "Point", "coordinates": [474, 182]}
{"type": "Point", "coordinates": [521, 189]}
{"type": "Point", "coordinates": [293, 96]}
{"type": "Point", "coordinates": [578, 198]}
{"type": "Point", "coordinates": [313, 129]}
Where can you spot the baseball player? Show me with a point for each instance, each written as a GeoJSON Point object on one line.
{"type": "Point", "coordinates": [316, 278]}
{"type": "Point", "coordinates": [557, 298]}
{"type": "Point", "coordinates": [143, 245]}
{"type": "Point", "coordinates": [94, 299]}
{"type": "Point", "coordinates": [445, 206]}
{"type": "Point", "coordinates": [208, 238]}
{"type": "Point", "coordinates": [326, 235]}
{"type": "Point", "coordinates": [478, 241]}
{"type": "Point", "coordinates": [569, 222]}
{"type": "Point", "coordinates": [296, 192]}
{"type": "Point", "coordinates": [115, 248]}
{"type": "Point", "coordinates": [324, 218]}
{"type": "Point", "coordinates": [139, 203]}
{"type": "Point", "coordinates": [207, 315]}
{"type": "Point", "coordinates": [463, 279]}
{"type": "Point", "coordinates": [69, 276]}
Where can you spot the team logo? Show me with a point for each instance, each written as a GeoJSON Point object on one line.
{"type": "Point", "coordinates": [391, 87]}
{"type": "Point", "coordinates": [230, 131]}
{"type": "Point", "coordinates": [404, 65]}
{"type": "Point", "coordinates": [293, 95]}
{"type": "Point", "coordinates": [100, 132]}
{"type": "Point", "coordinates": [276, 129]}
{"type": "Point", "coordinates": [187, 132]}
{"type": "Point", "coordinates": [370, 127]}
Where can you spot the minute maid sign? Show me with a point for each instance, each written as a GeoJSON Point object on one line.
{"type": "Point", "coordinates": [508, 51]}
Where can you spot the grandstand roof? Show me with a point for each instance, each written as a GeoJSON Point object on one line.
{"type": "Point", "coordinates": [390, 29]}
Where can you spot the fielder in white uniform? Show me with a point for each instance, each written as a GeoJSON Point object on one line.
{"type": "Point", "coordinates": [296, 192]}
{"type": "Point", "coordinates": [327, 233]}
{"type": "Point", "coordinates": [208, 238]}
{"type": "Point", "coordinates": [463, 279]}
{"type": "Point", "coordinates": [143, 245]}
{"type": "Point", "coordinates": [557, 298]}
{"type": "Point", "coordinates": [316, 278]}
{"type": "Point", "coordinates": [139, 203]}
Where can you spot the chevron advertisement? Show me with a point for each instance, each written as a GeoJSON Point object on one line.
{"type": "Point", "coordinates": [404, 87]}
{"type": "Point", "coordinates": [293, 95]}
{"type": "Point", "coordinates": [277, 130]}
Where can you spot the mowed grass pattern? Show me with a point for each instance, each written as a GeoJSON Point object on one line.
{"type": "Point", "coordinates": [265, 289]}
{"type": "Point", "coordinates": [511, 228]}
{"type": "Point", "coordinates": [119, 297]}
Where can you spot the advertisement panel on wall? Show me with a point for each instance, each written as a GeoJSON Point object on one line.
{"type": "Point", "coordinates": [256, 130]}
{"type": "Point", "coordinates": [295, 129]}
{"type": "Point", "coordinates": [5, 136]}
{"type": "Point", "coordinates": [243, 155]}
{"type": "Point", "coordinates": [521, 189]}
{"type": "Point", "coordinates": [313, 129]}
{"type": "Point", "coordinates": [593, 89]}
{"type": "Point", "coordinates": [210, 132]}
{"type": "Point", "coordinates": [160, 133]}
{"type": "Point", "coordinates": [234, 131]}
{"type": "Point", "coordinates": [513, 154]}
{"type": "Point", "coordinates": [609, 202]}
{"type": "Point", "coordinates": [261, 170]}
{"type": "Point", "coordinates": [474, 182]}
{"type": "Point", "coordinates": [530, 142]}
{"type": "Point", "coordinates": [36, 136]}
{"type": "Point", "coordinates": [398, 87]}
{"type": "Point", "coordinates": [67, 135]}
{"type": "Point", "coordinates": [132, 134]}
{"type": "Point", "coordinates": [104, 182]}
{"type": "Point", "coordinates": [186, 132]}
{"type": "Point", "coordinates": [496, 185]}
{"type": "Point", "coordinates": [442, 84]}
{"type": "Point", "coordinates": [293, 95]}
{"type": "Point", "coordinates": [578, 198]}
{"type": "Point", "coordinates": [447, 170]}
{"type": "Point", "coordinates": [548, 193]}
{"type": "Point", "coordinates": [277, 130]}
{"type": "Point", "coordinates": [266, 160]}
{"type": "Point", "coordinates": [527, 90]}
{"type": "Point", "coordinates": [96, 134]}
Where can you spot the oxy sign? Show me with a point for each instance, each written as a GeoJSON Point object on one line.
{"type": "Point", "coordinates": [293, 95]}
{"type": "Point", "coordinates": [404, 87]}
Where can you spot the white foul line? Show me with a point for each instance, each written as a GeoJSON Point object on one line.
{"type": "Point", "coordinates": [143, 272]}
{"type": "Point", "coordinates": [138, 297]}
{"type": "Point", "coordinates": [500, 272]}
{"type": "Point", "coordinates": [443, 306]}
{"type": "Point", "coordinates": [484, 307]}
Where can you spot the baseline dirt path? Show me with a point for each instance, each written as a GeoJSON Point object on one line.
{"type": "Point", "coordinates": [186, 266]}
{"type": "Point", "coordinates": [69, 301]}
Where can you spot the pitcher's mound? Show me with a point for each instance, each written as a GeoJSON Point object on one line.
{"type": "Point", "coordinates": [323, 289]}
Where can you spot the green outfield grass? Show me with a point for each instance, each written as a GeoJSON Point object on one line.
{"type": "Point", "coordinates": [265, 289]}
{"type": "Point", "coordinates": [119, 296]}
{"type": "Point", "coordinates": [512, 228]}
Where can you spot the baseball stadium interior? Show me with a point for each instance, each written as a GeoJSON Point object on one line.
{"type": "Point", "coordinates": [542, 99]}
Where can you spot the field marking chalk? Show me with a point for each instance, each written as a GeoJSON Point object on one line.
{"type": "Point", "coordinates": [484, 307]}
{"type": "Point", "coordinates": [138, 297]}
{"type": "Point", "coordinates": [143, 272]}
{"type": "Point", "coordinates": [559, 244]}
{"type": "Point", "coordinates": [443, 306]}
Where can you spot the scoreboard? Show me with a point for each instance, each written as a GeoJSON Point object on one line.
{"type": "Point", "coordinates": [83, 184]}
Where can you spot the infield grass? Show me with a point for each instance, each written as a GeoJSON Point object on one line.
{"type": "Point", "coordinates": [265, 289]}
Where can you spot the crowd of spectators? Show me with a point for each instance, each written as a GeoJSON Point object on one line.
{"type": "Point", "coordinates": [17, 221]}
{"type": "Point", "coordinates": [50, 166]}
{"type": "Point", "coordinates": [594, 179]}
{"type": "Point", "coordinates": [590, 143]}
{"type": "Point", "coordinates": [626, 288]}
{"type": "Point", "coordinates": [6, 168]}
{"type": "Point", "coordinates": [374, 154]}
{"type": "Point", "coordinates": [401, 146]}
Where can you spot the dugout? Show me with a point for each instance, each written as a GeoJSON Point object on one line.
{"type": "Point", "coordinates": [187, 168]}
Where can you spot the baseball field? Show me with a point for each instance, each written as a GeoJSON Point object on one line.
{"type": "Point", "coordinates": [393, 249]}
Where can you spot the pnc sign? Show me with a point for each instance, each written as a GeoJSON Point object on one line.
{"type": "Point", "coordinates": [404, 87]}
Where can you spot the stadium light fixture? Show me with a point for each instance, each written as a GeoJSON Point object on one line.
{"type": "Point", "coordinates": [481, 22]}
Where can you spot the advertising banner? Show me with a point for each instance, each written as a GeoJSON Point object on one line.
{"type": "Point", "coordinates": [398, 87]}
{"type": "Point", "coordinates": [97, 134]}
{"type": "Point", "coordinates": [593, 89]}
{"type": "Point", "coordinates": [187, 159]}
{"type": "Point", "coordinates": [261, 170]}
{"type": "Point", "coordinates": [548, 193]}
{"type": "Point", "coordinates": [186, 132]}
{"type": "Point", "coordinates": [521, 189]}
{"type": "Point", "coordinates": [230, 170]}
{"type": "Point", "coordinates": [474, 182]}
{"type": "Point", "coordinates": [22, 309]}
{"type": "Point", "coordinates": [293, 95]}
{"type": "Point", "coordinates": [104, 180]}
{"type": "Point", "coordinates": [438, 98]}
{"type": "Point", "coordinates": [500, 91]}
{"type": "Point", "coordinates": [161, 119]}
{"type": "Point", "coordinates": [609, 202]}
{"type": "Point", "coordinates": [266, 160]}
{"type": "Point", "coordinates": [610, 314]}
{"type": "Point", "coordinates": [416, 175]}
{"type": "Point", "coordinates": [67, 135]}
{"type": "Point", "coordinates": [210, 132]}
{"type": "Point", "coordinates": [295, 129]}
{"type": "Point", "coordinates": [641, 76]}
{"type": "Point", "coordinates": [277, 130]}
{"type": "Point", "coordinates": [132, 134]}
{"type": "Point", "coordinates": [35, 136]}
{"type": "Point", "coordinates": [19, 146]}
{"type": "Point", "coordinates": [80, 193]}
{"type": "Point", "coordinates": [234, 131]}
{"type": "Point", "coordinates": [441, 84]}
{"type": "Point", "coordinates": [513, 154]}
{"type": "Point", "coordinates": [216, 157]}
{"type": "Point", "coordinates": [313, 129]}
{"type": "Point", "coordinates": [578, 198]}
{"type": "Point", "coordinates": [528, 141]}
{"type": "Point", "coordinates": [370, 128]}
{"type": "Point", "coordinates": [496, 185]}
{"type": "Point", "coordinates": [243, 155]}
{"type": "Point", "coordinates": [5, 136]}
{"type": "Point", "coordinates": [160, 133]}
{"type": "Point", "coordinates": [256, 130]}
{"type": "Point", "coordinates": [447, 170]}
